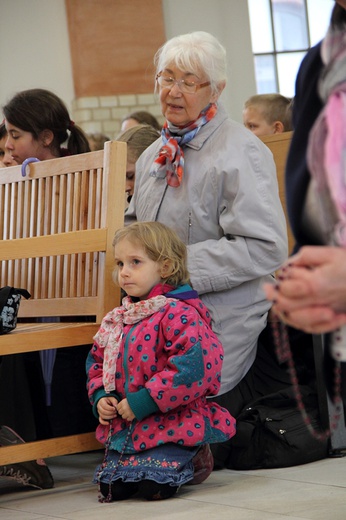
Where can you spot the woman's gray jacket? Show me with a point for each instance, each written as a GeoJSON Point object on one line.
{"type": "Point", "coordinates": [228, 212]}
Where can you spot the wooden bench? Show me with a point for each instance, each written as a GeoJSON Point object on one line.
{"type": "Point", "coordinates": [279, 145]}
{"type": "Point", "coordinates": [56, 234]}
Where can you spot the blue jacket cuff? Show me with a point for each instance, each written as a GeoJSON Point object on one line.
{"type": "Point", "coordinates": [141, 403]}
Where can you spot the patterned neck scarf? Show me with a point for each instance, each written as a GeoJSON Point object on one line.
{"type": "Point", "coordinates": [171, 154]}
{"type": "Point", "coordinates": [110, 333]}
{"type": "Point", "coordinates": [327, 141]}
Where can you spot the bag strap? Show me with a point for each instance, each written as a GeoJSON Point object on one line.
{"type": "Point", "coordinates": [6, 291]}
{"type": "Point", "coordinates": [4, 294]}
{"type": "Point", "coordinates": [23, 292]}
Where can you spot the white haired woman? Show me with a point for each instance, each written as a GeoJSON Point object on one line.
{"type": "Point", "coordinates": [214, 183]}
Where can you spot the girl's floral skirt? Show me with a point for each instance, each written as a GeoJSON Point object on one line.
{"type": "Point", "coordinates": [165, 464]}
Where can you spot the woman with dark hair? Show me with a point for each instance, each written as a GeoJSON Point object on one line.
{"type": "Point", "coordinates": [38, 123]}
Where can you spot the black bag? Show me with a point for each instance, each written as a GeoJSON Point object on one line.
{"type": "Point", "coordinates": [9, 305]}
{"type": "Point", "coordinates": [271, 433]}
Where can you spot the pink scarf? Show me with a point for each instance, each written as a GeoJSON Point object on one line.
{"type": "Point", "coordinates": [327, 141]}
{"type": "Point", "coordinates": [110, 333]}
{"type": "Point", "coordinates": [171, 155]}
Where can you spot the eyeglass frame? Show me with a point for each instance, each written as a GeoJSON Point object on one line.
{"type": "Point", "coordinates": [181, 81]}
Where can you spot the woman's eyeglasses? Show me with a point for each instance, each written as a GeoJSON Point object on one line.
{"type": "Point", "coordinates": [185, 86]}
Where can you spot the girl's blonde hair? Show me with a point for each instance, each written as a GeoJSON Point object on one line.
{"type": "Point", "coordinates": [160, 244]}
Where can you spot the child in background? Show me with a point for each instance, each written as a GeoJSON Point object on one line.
{"type": "Point", "coordinates": [5, 155]}
{"type": "Point", "coordinates": [97, 141]}
{"type": "Point", "coordinates": [266, 114]}
{"type": "Point", "coordinates": [138, 138]}
{"type": "Point", "coordinates": [142, 117]}
{"type": "Point", "coordinates": [154, 361]}
{"type": "Point", "coordinates": [38, 125]}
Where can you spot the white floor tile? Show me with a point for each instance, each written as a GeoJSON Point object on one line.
{"type": "Point", "coordinates": [313, 491]}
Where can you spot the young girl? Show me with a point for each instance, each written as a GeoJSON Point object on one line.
{"type": "Point", "coordinates": [38, 123]}
{"type": "Point", "coordinates": [154, 361]}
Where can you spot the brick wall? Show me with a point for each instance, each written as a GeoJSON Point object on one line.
{"type": "Point", "coordinates": [104, 114]}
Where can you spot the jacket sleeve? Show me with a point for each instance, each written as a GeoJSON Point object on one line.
{"type": "Point", "coordinates": [252, 241]}
{"type": "Point", "coordinates": [94, 370]}
{"type": "Point", "coordinates": [192, 370]}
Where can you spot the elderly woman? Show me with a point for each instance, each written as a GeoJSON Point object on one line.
{"type": "Point", "coordinates": [214, 183]}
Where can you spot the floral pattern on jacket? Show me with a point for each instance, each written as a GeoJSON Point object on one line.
{"type": "Point", "coordinates": [167, 365]}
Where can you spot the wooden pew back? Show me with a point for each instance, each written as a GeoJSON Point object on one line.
{"type": "Point", "coordinates": [69, 208]}
{"type": "Point", "coordinates": [279, 145]}
{"type": "Point", "coordinates": [56, 232]}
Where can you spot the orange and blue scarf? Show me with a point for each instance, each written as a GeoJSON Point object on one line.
{"type": "Point", "coordinates": [171, 155]}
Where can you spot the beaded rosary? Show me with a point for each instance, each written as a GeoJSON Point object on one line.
{"type": "Point", "coordinates": [284, 354]}
{"type": "Point", "coordinates": [108, 498]}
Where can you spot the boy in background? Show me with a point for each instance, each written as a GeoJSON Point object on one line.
{"type": "Point", "coordinates": [266, 114]}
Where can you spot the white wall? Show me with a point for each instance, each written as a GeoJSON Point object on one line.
{"type": "Point", "coordinates": [35, 46]}
{"type": "Point", "coordinates": [228, 20]}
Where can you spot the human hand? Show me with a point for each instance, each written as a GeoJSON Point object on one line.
{"type": "Point", "coordinates": [311, 290]}
{"type": "Point", "coordinates": [125, 411]}
{"type": "Point", "coordinates": [107, 409]}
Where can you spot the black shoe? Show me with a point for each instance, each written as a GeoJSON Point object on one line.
{"type": "Point", "coordinates": [151, 490]}
{"type": "Point", "coordinates": [33, 473]}
{"type": "Point", "coordinates": [119, 490]}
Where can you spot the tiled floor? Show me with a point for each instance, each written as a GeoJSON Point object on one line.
{"type": "Point", "coordinates": [313, 491]}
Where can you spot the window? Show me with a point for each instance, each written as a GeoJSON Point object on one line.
{"type": "Point", "coordinates": [282, 31]}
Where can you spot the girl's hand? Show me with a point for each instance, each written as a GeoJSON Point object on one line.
{"type": "Point", "coordinates": [107, 409]}
{"type": "Point", "coordinates": [125, 411]}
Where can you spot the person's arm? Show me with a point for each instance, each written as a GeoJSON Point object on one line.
{"type": "Point", "coordinates": [94, 370]}
{"type": "Point", "coordinates": [306, 107]}
{"type": "Point", "coordinates": [253, 235]}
